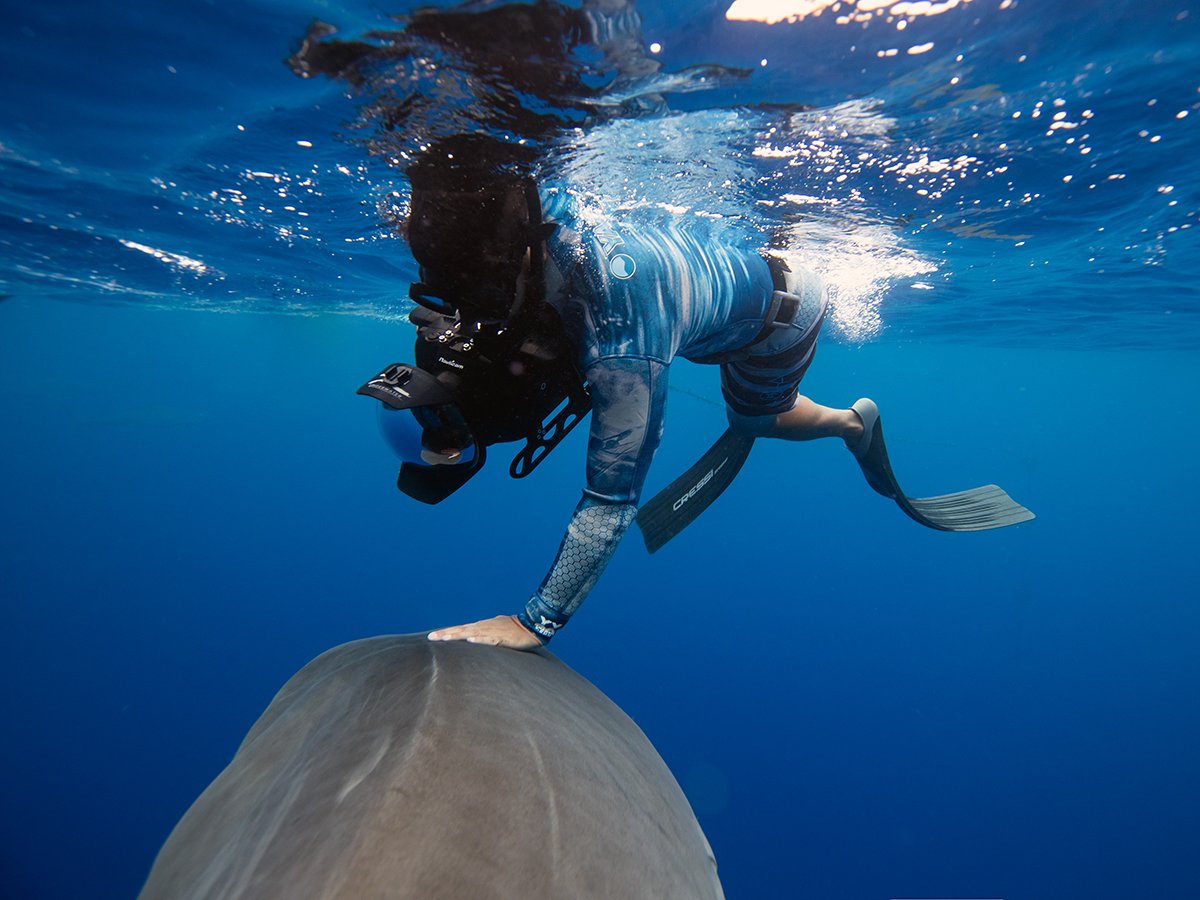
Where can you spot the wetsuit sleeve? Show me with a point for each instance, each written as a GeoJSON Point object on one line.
{"type": "Point", "coordinates": [628, 403]}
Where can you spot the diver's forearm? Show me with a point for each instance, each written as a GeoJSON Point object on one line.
{"type": "Point", "coordinates": [595, 530]}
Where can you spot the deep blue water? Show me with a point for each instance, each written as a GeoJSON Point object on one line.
{"type": "Point", "coordinates": [856, 707]}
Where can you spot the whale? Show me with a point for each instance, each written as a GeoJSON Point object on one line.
{"type": "Point", "coordinates": [397, 767]}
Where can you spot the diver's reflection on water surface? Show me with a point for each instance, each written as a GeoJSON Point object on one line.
{"type": "Point", "coordinates": [517, 73]}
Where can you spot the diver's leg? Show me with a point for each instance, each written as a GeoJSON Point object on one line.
{"type": "Point", "coordinates": [805, 421]}
{"type": "Point", "coordinates": [760, 388]}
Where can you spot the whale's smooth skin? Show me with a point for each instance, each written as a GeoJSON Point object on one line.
{"type": "Point", "coordinates": [402, 768]}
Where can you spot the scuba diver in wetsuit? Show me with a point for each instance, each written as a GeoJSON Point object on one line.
{"type": "Point", "coordinates": [533, 309]}
{"type": "Point", "coordinates": [628, 301]}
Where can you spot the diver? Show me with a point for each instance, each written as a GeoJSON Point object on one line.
{"type": "Point", "coordinates": [533, 310]}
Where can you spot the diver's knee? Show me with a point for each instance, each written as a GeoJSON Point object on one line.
{"type": "Point", "coordinates": [755, 426]}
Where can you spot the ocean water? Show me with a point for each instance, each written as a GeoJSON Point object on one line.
{"type": "Point", "coordinates": [197, 273]}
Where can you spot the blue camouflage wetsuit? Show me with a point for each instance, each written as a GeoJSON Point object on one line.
{"type": "Point", "coordinates": [636, 290]}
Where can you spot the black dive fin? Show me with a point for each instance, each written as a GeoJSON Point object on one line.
{"type": "Point", "coordinates": [678, 505]}
{"type": "Point", "coordinates": [978, 509]}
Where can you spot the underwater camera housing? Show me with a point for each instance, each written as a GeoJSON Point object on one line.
{"type": "Point", "coordinates": [493, 361]}
{"type": "Point", "coordinates": [503, 381]}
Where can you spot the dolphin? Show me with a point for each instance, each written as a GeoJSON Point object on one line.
{"type": "Point", "coordinates": [396, 767]}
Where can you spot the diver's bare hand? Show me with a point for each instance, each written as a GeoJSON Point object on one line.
{"type": "Point", "coordinates": [501, 631]}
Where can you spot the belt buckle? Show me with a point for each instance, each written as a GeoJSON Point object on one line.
{"type": "Point", "coordinates": [789, 306]}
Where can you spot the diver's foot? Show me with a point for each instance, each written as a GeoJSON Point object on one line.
{"type": "Point", "coordinates": [870, 450]}
{"type": "Point", "coordinates": [866, 414]}
{"type": "Point", "coordinates": [501, 631]}
{"type": "Point", "coordinates": [853, 430]}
